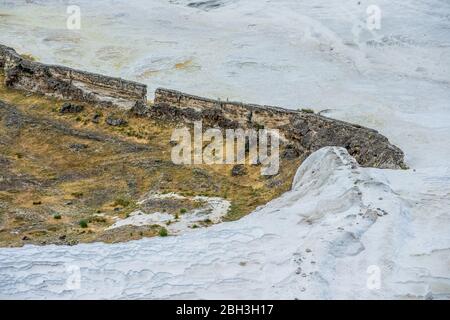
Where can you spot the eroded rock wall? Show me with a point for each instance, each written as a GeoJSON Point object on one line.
{"type": "Point", "coordinates": [67, 83]}
{"type": "Point", "coordinates": [307, 132]}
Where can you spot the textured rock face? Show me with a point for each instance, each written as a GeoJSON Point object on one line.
{"type": "Point", "coordinates": [67, 83]}
{"type": "Point", "coordinates": [308, 132]}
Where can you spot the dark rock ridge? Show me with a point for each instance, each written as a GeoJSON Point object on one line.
{"type": "Point", "coordinates": [68, 107]}
{"type": "Point", "coordinates": [304, 132]}
{"type": "Point", "coordinates": [66, 83]}
{"type": "Point", "coordinates": [115, 122]}
{"type": "Point", "coordinates": [238, 170]}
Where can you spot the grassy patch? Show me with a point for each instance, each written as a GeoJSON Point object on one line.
{"type": "Point", "coordinates": [234, 212]}
{"type": "Point", "coordinates": [77, 194]}
{"type": "Point", "coordinates": [163, 232]}
{"type": "Point", "coordinates": [306, 110]}
{"type": "Point", "coordinates": [83, 224]}
{"type": "Point", "coordinates": [121, 202]}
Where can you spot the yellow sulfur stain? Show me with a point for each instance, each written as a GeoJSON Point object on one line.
{"type": "Point", "coordinates": [184, 64]}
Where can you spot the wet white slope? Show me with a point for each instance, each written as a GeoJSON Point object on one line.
{"type": "Point", "coordinates": [316, 241]}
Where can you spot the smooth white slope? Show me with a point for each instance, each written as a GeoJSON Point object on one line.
{"type": "Point", "coordinates": [316, 241]}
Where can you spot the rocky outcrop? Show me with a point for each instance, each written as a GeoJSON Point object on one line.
{"type": "Point", "coordinates": [68, 107]}
{"type": "Point", "coordinates": [67, 83]}
{"type": "Point", "coordinates": [306, 131]}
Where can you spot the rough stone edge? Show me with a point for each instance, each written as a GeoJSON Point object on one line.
{"type": "Point", "coordinates": [385, 154]}
{"type": "Point", "coordinates": [8, 53]}
{"type": "Point", "coordinates": [395, 154]}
